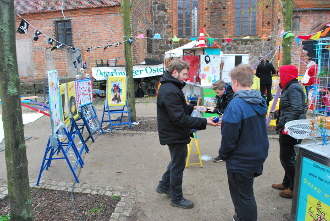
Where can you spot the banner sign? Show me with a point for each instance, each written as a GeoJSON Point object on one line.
{"type": "Point", "coordinates": [314, 194]}
{"type": "Point", "coordinates": [139, 71]}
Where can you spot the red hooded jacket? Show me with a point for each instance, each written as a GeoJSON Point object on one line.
{"type": "Point", "coordinates": [287, 73]}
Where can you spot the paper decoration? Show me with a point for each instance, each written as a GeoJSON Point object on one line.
{"type": "Point", "coordinates": [23, 27]}
{"type": "Point", "coordinates": [140, 36]}
{"type": "Point", "coordinates": [325, 32]}
{"type": "Point", "coordinates": [209, 69]}
{"type": "Point", "coordinates": [229, 40]}
{"type": "Point", "coordinates": [211, 40]}
{"type": "Point", "coordinates": [307, 37]}
{"type": "Point", "coordinates": [157, 36]}
{"type": "Point", "coordinates": [193, 39]}
{"type": "Point", "coordinates": [288, 34]}
{"type": "Point", "coordinates": [316, 36]}
{"type": "Point", "coordinates": [264, 37]}
{"type": "Point", "coordinates": [175, 39]}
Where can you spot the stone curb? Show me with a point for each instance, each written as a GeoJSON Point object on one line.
{"type": "Point", "coordinates": [123, 209]}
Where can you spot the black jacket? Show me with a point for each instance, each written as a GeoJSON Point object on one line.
{"type": "Point", "coordinates": [265, 72]}
{"type": "Point", "coordinates": [292, 104]}
{"type": "Point", "coordinates": [173, 113]}
{"type": "Point", "coordinates": [223, 101]}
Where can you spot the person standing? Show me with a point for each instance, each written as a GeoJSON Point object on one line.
{"type": "Point", "coordinates": [224, 94]}
{"type": "Point", "coordinates": [264, 71]}
{"type": "Point", "coordinates": [174, 124]}
{"type": "Point", "coordinates": [292, 107]}
{"type": "Point", "coordinates": [244, 143]}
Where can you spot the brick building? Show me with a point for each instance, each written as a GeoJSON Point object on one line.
{"type": "Point", "coordinates": [97, 23]}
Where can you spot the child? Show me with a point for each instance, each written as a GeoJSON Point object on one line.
{"type": "Point", "coordinates": [244, 144]}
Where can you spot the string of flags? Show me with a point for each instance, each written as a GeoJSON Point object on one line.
{"type": "Point", "coordinates": [24, 26]}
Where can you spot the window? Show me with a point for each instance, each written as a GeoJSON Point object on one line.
{"type": "Point", "coordinates": [245, 18]}
{"type": "Point", "coordinates": [188, 18]}
{"type": "Point", "coordinates": [296, 24]}
{"type": "Point", "coordinates": [64, 32]}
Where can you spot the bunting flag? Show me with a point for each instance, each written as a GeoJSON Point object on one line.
{"type": "Point", "coordinates": [140, 36]}
{"type": "Point", "coordinates": [229, 40]}
{"type": "Point", "coordinates": [307, 37]}
{"type": "Point", "coordinates": [211, 40]}
{"type": "Point", "coordinates": [264, 37]}
{"type": "Point", "coordinates": [23, 27]}
{"type": "Point", "coordinates": [325, 32]}
{"type": "Point", "coordinates": [35, 38]}
{"type": "Point", "coordinates": [288, 34]}
{"type": "Point", "coordinates": [298, 41]}
{"type": "Point", "coordinates": [175, 39]}
{"type": "Point", "coordinates": [316, 36]}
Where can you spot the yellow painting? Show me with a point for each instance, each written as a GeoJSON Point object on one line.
{"type": "Point", "coordinates": [65, 104]}
{"type": "Point", "coordinates": [72, 99]}
{"type": "Point", "coordinates": [116, 91]}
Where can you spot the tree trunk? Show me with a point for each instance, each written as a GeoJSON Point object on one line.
{"type": "Point", "coordinates": [126, 7]}
{"type": "Point", "coordinates": [287, 42]}
{"type": "Point", "coordinates": [15, 150]}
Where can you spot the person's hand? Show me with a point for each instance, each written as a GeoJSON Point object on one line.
{"type": "Point", "coordinates": [211, 123]}
{"type": "Point", "coordinates": [200, 108]}
{"type": "Point", "coordinates": [211, 109]}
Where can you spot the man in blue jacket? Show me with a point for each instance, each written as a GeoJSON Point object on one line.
{"type": "Point", "coordinates": [174, 124]}
{"type": "Point", "coordinates": [244, 144]}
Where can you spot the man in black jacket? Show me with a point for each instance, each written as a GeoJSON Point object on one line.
{"type": "Point", "coordinates": [174, 124]}
{"type": "Point", "coordinates": [264, 71]}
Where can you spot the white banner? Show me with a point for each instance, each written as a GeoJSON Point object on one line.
{"type": "Point", "coordinates": [139, 71]}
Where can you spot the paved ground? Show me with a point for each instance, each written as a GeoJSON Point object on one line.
{"type": "Point", "coordinates": [131, 164]}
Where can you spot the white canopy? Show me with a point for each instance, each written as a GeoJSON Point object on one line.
{"type": "Point", "coordinates": [177, 52]}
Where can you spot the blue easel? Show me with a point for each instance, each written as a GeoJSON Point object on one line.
{"type": "Point", "coordinates": [56, 145]}
{"type": "Point", "coordinates": [121, 110]}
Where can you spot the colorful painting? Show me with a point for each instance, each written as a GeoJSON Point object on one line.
{"type": "Point", "coordinates": [314, 191]}
{"type": "Point", "coordinates": [84, 92]}
{"type": "Point", "coordinates": [73, 109]}
{"type": "Point", "coordinates": [116, 91]}
{"type": "Point", "coordinates": [210, 69]}
{"type": "Point", "coordinates": [209, 101]}
{"type": "Point", "coordinates": [54, 101]}
{"type": "Point", "coordinates": [64, 104]}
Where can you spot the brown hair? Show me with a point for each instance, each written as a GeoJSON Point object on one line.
{"type": "Point", "coordinates": [219, 84]}
{"type": "Point", "coordinates": [243, 73]}
{"type": "Point", "coordinates": [178, 64]}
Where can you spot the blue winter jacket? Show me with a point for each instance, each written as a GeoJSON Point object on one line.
{"type": "Point", "coordinates": [244, 144]}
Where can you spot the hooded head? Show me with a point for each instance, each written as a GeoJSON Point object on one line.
{"type": "Point", "coordinates": [287, 73]}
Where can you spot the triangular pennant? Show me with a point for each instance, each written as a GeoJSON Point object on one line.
{"type": "Point", "coordinates": [306, 37]}
{"type": "Point", "coordinates": [211, 40]}
{"type": "Point", "coordinates": [229, 40]}
{"type": "Point", "coordinates": [264, 37]}
{"type": "Point", "coordinates": [193, 39]}
{"type": "Point", "coordinates": [35, 38]}
{"type": "Point", "coordinates": [316, 36]}
{"type": "Point", "coordinates": [325, 32]}
{"type": "Point", "coordinates": [246, 37]}
{"type": "Point", "coordinates": [298, 41]}
{"type": "Point", "coordinates": [23, 27]}
{"type": "Point", "coordinates": [140, 36]}
{"type": "Point", "coordinates": [282, 32]}
{"type": "Point", "coordinates": [175, 39]}
{"type": "Point", "coordinates": [288, 34]}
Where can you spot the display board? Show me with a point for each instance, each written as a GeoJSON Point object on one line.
{"type": "Point", "coordinates": [90, 118]}
{"type": "Point", "coordinates": [231, 61]}
{"type": "Point", "coordinates": [314, 191]}
{"type": "Point", "coordinates": [54, 101]}
{"type": "Point", "coordinates": [84, 92]}
{"type": "Point", "coordinates": [72, 99]}
{"type": "Point", "coordinates": [65, 104]}
{"type": "Point", "coordinates": [116, 91]}
{"type": "Point", "coordinates": [209, 69]}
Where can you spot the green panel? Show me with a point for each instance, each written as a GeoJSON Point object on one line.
{"type": "Point", "coordinates": [209, 100]}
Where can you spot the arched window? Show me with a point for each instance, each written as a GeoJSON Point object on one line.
{"type": "Point", "coordinates": [296, 24]}
{"type": "Point", "coordinates": [188, 18]}
{"type": "Point", "coordinates": [245, 17]}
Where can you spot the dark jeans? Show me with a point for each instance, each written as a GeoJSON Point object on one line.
{"type": "Point", "coordinates": [241, 192]}
{"type": "Point", "coordinates": [288, 159]}
{"type": "Point", "coordinates": [172, 178]}
{"type": "Point", "coordinates": [263, 88]}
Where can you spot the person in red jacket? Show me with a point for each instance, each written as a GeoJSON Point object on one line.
{"type": "Point", "coordinates": [312, 72]}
